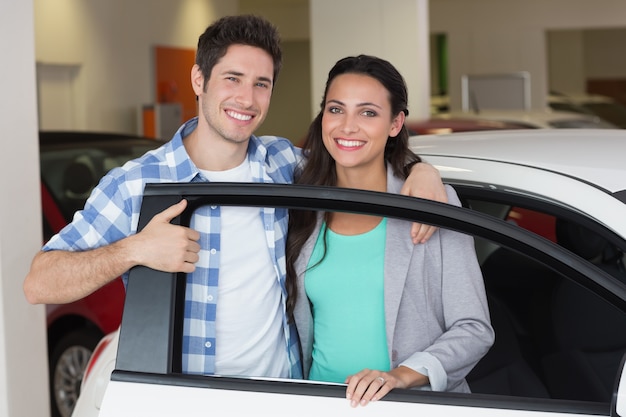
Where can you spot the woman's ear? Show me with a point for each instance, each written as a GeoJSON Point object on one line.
{"type": "Point", "coordinates": [396, 124]}
{"type": "Point", "coordinates": [197, 80]}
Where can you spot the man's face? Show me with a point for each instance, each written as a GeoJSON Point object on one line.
{"type": "Point", "coordinates": [237, 95]}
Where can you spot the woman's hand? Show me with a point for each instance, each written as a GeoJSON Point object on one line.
{"type": "Point", "coordinates": [371, 385]}
{"type": "Point", "coordinates": [424, 181]}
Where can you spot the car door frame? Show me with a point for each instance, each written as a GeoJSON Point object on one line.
{"type": "Point", "coordinates": [153, 311]}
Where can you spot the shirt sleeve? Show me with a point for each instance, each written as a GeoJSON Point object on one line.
{"type": "Point", "coordinates": [106, 218]}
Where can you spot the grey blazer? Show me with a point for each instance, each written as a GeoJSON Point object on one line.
{"type": "Point", "coordinates": [436, 312]}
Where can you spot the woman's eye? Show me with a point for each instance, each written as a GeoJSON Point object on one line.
{"type": "Point", "coordinates": [334, 110]}
{"type": "Point", "coordinates": [369, 113]}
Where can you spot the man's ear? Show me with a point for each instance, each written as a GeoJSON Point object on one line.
{"type": "Point", "coordinates": [396, 124]}
{"type": "Point", "coordinates": [197, 80]}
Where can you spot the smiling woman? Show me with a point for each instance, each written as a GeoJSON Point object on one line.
{"type": "Point", "coordinates": [358, 140]}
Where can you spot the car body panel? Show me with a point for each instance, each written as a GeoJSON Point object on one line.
{"type": "Point", "coordinates": [558, 165]}
{"type": "Point", "coordinates": [195, 401]}
{"type": "Point", "coordinates": [128, 398]}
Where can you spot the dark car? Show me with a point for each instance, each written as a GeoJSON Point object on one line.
{"type": "Point", "coordinates": [71, 165]}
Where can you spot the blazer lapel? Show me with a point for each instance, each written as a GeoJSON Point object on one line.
{"type": "Point", "coordinates": [398, 251]}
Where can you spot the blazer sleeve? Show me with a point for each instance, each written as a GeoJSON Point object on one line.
{"type": "Point", "coordinates": [461, 317]}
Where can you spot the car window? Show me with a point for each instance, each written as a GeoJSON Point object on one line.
{"type": "Point", "coordinates": [553, 312]}
{"type": "Point", "coordinates": [564, 327]}
{"type": "Point", "coordinates": [71, 171]}
{"type": "Point", "coordinates": [560, 330]}
{"type": "Point", "coordinates": [586, 239]}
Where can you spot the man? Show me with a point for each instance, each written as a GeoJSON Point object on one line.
{"type": "Point", "coordinates": [234, 255]}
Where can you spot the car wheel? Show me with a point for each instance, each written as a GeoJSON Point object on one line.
{"type": "Point", "coordinates": [68, 361]}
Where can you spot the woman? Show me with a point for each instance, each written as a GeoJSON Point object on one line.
{"type": "Point", "coordinates": [372, 309]}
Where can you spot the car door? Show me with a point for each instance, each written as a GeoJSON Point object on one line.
{"type": "Point", "coordinates": [147, 378]}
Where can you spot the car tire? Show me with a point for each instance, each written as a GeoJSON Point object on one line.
{"type": "Point", "coordinates": [68, 360]}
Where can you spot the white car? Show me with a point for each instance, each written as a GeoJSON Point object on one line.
{"type": "Point", "coordinates": [535, 119]}
{"type": "Point", "coordinates": [604, 107]}
{"type": "Point", "coordinates": [558, 309]}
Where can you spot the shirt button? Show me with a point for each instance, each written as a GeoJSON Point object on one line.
{"type": "Point", "coordinates": [207, 344]}
{"type": "Point", "coordinates": [213, 251]}
{"type": "Point", "coordinates": [209, 298]}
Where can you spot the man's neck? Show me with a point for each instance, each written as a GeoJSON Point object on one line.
{"type": "Point", "coordinates": [212, 153]}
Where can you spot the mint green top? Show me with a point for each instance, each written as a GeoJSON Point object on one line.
{"type": "Point", "coordinates": [346, 291]}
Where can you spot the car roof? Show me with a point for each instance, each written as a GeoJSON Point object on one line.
{"type": "Point", "coordinates": [533, 118]}
{"type": "Point", "coordinates": [442, 124]}
{"type": "Point", "coordinates": [596, 156]}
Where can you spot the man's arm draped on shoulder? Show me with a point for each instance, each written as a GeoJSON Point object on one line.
{"type": "Point", "coordinates": [424, 181]}
{"type": "Point", "coordinates": [59, 276]}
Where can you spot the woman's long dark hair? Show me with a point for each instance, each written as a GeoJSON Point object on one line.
{"type": "Point", "coordinates": [319, 165]}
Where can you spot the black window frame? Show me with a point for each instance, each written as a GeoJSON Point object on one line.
{"type": "Point", "coordinates": [154, 299]}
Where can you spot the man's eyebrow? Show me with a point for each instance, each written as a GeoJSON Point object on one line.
{"type": "Point", "coordinates": [241, 74]}
{"type": "Point", "coordinates": [232, 72]}
{"type": "Point", "coordinates": [265, 79]}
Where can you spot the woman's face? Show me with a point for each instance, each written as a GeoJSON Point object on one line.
{"type": "Point", "coordinates": [357, 121]}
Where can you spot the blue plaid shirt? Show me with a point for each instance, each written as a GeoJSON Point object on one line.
{"type": "Point", "coordinates": [112, 212]}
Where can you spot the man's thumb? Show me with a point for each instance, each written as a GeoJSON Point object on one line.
{"type": "Point", "coordinates": [172, 211]}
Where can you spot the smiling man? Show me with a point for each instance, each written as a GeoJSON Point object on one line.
{"type": "Point", "coordinates": [232, 255]}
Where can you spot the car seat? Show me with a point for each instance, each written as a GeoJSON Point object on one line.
{"type": "Point", "coordinates": [524, 286]}
{"type": "Point", "coordinates": [588, 332]}
{"type": "Point", "coordinates": [504, 370]}
{"type": "Point", "coordinates": [78, 181]}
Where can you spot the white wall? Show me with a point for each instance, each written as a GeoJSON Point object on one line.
{"type": "Point", "coordinates": [111, 42]}
{"type": "Point", "coordinates": [23, 359]}
{"type": "Point", "coordinates": [602, 62]}
{"type": "Point", "coordinates": [490, 36]}
{"type": "Point", "coordinates": [395, 30]}
{"type": "Point", "coordinates": [290, 112]}
{"type": "Point", "coordinates": [566, 61]}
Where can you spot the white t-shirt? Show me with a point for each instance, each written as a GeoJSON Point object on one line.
{"type": "Point", "coordinates": [249, 326]}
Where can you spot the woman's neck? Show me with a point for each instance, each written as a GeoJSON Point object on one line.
{"type": "Point", "coordinates": [369, 178]}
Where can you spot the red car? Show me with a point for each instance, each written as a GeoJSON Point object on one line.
{"type": "Point", "coordinates": [71, 164]}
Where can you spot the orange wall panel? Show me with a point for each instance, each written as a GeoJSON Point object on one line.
{"type": "Point", "coordinates": [173, 78]}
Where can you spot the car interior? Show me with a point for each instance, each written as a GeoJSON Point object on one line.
{"type": "Point", "coordinates": [70, 173]}
{"type": "Point", "coordinates": [554, 338]}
